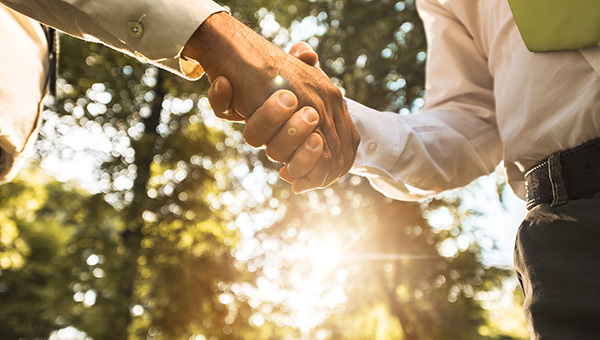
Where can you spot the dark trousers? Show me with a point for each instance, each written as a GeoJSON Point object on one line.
{"type": "Point", "coordinates": [557, 260]}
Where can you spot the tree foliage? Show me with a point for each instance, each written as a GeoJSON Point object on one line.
{"type": "Point", "coordinates": [187, 232]}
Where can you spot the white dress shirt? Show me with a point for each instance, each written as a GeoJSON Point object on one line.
{"type": "Point", "coordinates": [153, 31]}
{"type": "Point", "coordinates": [487, 99]}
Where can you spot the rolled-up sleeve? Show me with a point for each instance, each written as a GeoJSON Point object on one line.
{"type": "Point", "coordinates": [153, 31]}
{"type": "Point", "coordinates": [453, 140]}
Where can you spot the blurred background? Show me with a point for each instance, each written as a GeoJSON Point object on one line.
{"type": "Point", "coordinates": [142, 216]}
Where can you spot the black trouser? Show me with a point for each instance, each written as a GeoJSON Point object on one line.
{"type": "Point", "coordinates": [557, 259]}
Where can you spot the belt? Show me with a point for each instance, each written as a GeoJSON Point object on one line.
{"type": "Point", "coordinates": [569, 174]}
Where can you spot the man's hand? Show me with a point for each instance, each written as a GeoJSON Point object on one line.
{"type": "Point", "coordinates": [290, 133]}
{"type": "Point", "coordinates": [294, 135]}
{"type": "Point", "coordinates": [256, 68]}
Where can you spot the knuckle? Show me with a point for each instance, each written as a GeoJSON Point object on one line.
{"type": "Point", "coordinates": [251, 139]}
{"type": "Point", "coordinates": [267, 120]}
{"type": "Point", "coordinates": [276, 154]}
{"type": "Point", "coordinates": [334, 92]}
{"type": "Point", "coordinates": [296, 170]}
{"type": "Point", "coordinates": [271, 115]}
{"type": "Point", "coordinates": [293, 173]}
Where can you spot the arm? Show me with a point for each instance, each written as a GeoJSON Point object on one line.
{"type": "Point", "coordinates": [20, 101]}
{"type": "Point", "coordinates": [152, 31]}
{"type": "Point", "coordinates": [454, 139]}
{"type": "Point", "coordinates": [158, 32]}
{"type": "Point", "coordinates": [165, 26]}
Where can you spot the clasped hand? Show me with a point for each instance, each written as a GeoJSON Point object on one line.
{"type": "Point", "coordinates": [295, 136]}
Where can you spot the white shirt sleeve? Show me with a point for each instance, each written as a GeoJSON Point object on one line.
{"type": "Point", "coordinates": [153, 31]}
{"type": "Point", "coordinates": [23, 73]}
{"type": "Point", "coordinates": [455, 137]}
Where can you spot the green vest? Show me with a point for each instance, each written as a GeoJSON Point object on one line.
{"type": "Point", "coordinates": [554, 25]}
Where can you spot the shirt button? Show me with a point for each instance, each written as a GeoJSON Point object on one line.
{"type": "Point", "coordinates": [372, 146]}
{"type": "Point", "coordinates": [135, 29]}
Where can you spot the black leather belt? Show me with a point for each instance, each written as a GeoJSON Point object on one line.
{"type": "Point", "coordinates": [576, 175]}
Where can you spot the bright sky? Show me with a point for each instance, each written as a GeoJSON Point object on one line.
{"type": "Point", "coordinates": [499, 220]}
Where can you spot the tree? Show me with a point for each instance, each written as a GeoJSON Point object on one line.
{"type": "Point", "coordinates": [161, 164]}
{"type": "Point", "coordinates": [187, 231]}
{"type": "Point", "coordinates": [379, 62]}
{"type": "Point", "coordinates": [37, 295]}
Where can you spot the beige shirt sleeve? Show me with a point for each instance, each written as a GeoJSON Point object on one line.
{"type": "Point", "coordinates": [454, 139]}
{"type": "Point", "coordinates": [23, 69]}
{"type": "Point", "coordinates": [153, 31]}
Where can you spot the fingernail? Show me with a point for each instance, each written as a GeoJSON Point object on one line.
{"type": "Point", "coordinates": [287, 99]}
{"type": "Point", "coordinates": [310, 115]}
{"type": "Point", "coordinates": [312, 143]}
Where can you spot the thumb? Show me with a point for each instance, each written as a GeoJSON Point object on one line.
{"type": "Point", "coordinates": [220, 95]}
{"type": "Point", "coordinates": [304, 52]}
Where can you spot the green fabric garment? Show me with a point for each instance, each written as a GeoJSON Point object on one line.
{"type": "Point", "coordinates": [554, 25]}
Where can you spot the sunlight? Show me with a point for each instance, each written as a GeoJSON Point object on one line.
{"type": "Point", "coordinates": [316, 295]}
{"type": "Point", "coordinates": [325, 255]}
{"type": "Point", "coordinates": [305, 276]}
{"type": "Point", "coordinates": [68, 333]}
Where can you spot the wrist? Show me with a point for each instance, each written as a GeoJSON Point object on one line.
{"type": "Point", "coordinates": [222, 45]}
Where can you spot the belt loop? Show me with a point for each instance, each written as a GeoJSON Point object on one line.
{"type": "Point", "coordinates": [559, 192]}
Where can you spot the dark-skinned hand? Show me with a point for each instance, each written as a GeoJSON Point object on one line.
{"type": "Point", "coordinates": [255, 69]}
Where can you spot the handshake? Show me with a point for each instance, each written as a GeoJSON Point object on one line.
{"type": "Point", "coordinates": [289, 105]}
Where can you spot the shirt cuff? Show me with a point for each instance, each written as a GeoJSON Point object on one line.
{"type": "Point", "coordinates": [156, 32]}
{"type": "Point", "coordinates": [379, 136]}
{"type": "Point", "coordinates": [378, 151]}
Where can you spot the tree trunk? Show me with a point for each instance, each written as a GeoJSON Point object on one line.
{"type": "Point", "coordinates": [132, 235]}
{"type": "Point", "coordinates": [396, 308]}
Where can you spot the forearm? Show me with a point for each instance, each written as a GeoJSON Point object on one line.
{"type": "Point", "coordinates": [225, 46]}
{"type": "Point", "coordinates": [415, 156]}
{"type": "Point", "coordinates": [218, 41]}
{"type": "Point", "coordinates": [165, 26]}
